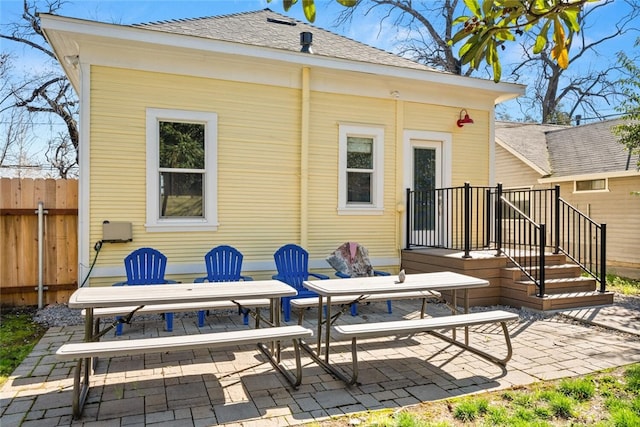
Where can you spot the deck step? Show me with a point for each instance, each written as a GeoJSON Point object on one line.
{"type": "Point", "coordinates": [559, 271]}
{"type": "Point", "coordinates": [560, 286]}
{"type": "Point", "coordinates": [559, 301]}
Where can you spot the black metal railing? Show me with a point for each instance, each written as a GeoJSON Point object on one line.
{"type": "Point", "coordinates": [583, 241]}
{"type": "Point", "coordinates": [452, 218]}
{"type": "Point", "coordinates": [525, 241]}
{"type": "Point", "coordinates": [520, 224]}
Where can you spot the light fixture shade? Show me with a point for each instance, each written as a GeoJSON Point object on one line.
{"type": "Point", "coordinates": [464, 120]}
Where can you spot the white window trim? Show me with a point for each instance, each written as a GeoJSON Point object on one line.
{"type": "Point", "coordinates": [210, 220]}
{"type": "Point", "coordinates": [377, 203]}
{"type": "Point", "coordinates": [604, 190]}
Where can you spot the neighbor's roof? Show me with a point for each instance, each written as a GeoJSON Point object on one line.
{"type": "Point", "coordinates": [528, 141]}
{"type": "Point", "coordinates": [588, 149]}
{"type": "Point", "coordinates": [266, 28]}
{"type": "Point", "coordinates": [566, 151]}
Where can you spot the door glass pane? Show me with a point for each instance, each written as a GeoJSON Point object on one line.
{"type": "Point", "coordinates": [181, 195]}
{"type": "Point", "coordinates": [424, 183]}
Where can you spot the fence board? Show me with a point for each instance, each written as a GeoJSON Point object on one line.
{"type": "Point", "coordinates": [19, 239]}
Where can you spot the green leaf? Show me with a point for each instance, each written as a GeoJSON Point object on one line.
{"type": "Point", "coordinates": [497, 70]}
{"type": "Point", "coordinates": [486, 6]}
{"type": "Point", "coordinates": [347, 3]}
{"type": "Point", "coordinates": [541, 39]}
{"type": "Point", "coordinates": [309, 7]}
{"type": "Point", "coordinates": [570, 18]}
{"type": "Point", "coordinates": [287, 4]}
{"type": "Point", "coordinates": [504, 35]}
{"type": "Point", "coordinates": [473, 6]}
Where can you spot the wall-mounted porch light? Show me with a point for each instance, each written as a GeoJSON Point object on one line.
{"type": "Point", "coordinates": [466, 120]}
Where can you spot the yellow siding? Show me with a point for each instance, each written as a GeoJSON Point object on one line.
{"type": "Point", "coordinates": [513, 172]}
{"type": "Point", "coordinates": [328, 230]}
{"type": "Point", "coordinates": [470, 156]}
{"type": "Point", "coordinates": [259, 132]}
{"type": "Point", "coordinates": [617, 208]}
{"type": "Point", "coordinates": [258, 152]}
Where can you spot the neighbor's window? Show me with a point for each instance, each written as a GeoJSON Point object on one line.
{"type": "Point", "coordinates": [591, 185]}
{"type": "Point", "coordinates": [181, 170]}
{"type": "Point", "coordinates": [361, 169]}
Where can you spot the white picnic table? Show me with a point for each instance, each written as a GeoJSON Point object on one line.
{"type": "Point", "coordinates": [359, 287]}
{"type": "Point", "coordinates": [138, 296]}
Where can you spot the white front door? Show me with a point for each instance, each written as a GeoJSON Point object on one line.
{"type": "Point", "coordinates": [427, 170]}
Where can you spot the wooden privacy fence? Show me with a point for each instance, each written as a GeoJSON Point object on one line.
{"type": "Point", "coordinates": [19, 271]}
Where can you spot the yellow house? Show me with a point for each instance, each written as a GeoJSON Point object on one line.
{"type": "Point", "coordinates": [302, 136]}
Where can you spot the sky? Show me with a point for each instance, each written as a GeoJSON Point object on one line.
{"type": "Point", "coordinates": [366, 29]}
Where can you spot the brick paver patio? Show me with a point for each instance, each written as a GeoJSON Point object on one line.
{"type": "Point", "coordinates": [240, 388]}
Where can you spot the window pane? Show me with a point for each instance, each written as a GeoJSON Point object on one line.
{"type": "Point", "coordinates": [359, 153]}
{"type": "Point", "coordinates": [358, 187]}
{"type": "Point", "coordinates": [181, 145]}
{"type": "Point", "coordinates": [181, 195]}
{"type": "Point", "coordinates": [596, 184]}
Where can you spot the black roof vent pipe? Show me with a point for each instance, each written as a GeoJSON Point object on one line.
{"type": "Point", "coordinates": [306, 40]}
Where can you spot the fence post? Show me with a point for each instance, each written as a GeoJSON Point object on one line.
{"type": "Point", "coordinates": [408, 222]}
{"type": "Point", "coordinates": [556, 220]}
{"type": "Point", "coordinates": [498, 219]}
{"type": "Point", "coordinates": [467, 220]}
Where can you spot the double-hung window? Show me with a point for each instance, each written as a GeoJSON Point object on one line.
{"type": "Point", "coordinates": [181, 170]}
{"type": "Point", "coordinates": [361, 164]}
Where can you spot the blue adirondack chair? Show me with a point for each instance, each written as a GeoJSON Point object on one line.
{"type": "Point", "coordinates": [356, 264]}
{"type": "Point", "coordinates": [146, 266]}
{"type": "Point", "coordinates": [292, 263]}
{"type": "Point", "coordinates": [224, 264]}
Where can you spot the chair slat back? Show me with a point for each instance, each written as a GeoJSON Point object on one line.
{"type": "Point", "coordinates": [292, 263]}
{"type": "Point", "coordinates": [145, 266]}
{"type": "Point", "coordinates": [224, 264]}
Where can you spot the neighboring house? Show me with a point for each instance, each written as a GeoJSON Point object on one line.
{"type": "Point", "coordinates": [595, 174]}
{"type": "Point", "coordinates": [225, 130]}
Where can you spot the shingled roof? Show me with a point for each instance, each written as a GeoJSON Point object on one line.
{"type": "Point", "coordinates": [586, 149]}
{"type": "Point", "coordinates": [528, 140]}
{"type": "Point", "coordinates": [568, 150]}
{"type": "Point", "coordinates": [269, 29]}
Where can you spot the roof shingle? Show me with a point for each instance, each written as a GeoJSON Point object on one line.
{"type": "Point", "coordinates": [269, 29]}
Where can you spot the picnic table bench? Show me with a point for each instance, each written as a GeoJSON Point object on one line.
{"type": "Point", "coordinates": [243, 306]}
{"type": "Point", "coordinates": [429, 325]}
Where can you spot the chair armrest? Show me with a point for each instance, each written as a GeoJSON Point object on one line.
{"type": "Point", "coordinates": [319, 276]}
{"type": "Point", "coordinates": [246, 278]}
{"type": "Point", "coordinates": [342, 275]}
{"type": "Point", "coordinates": [381, 273]}
{"type": "Point", "coordinates": [120, 284]}
{"type": "Point", "coordinates": [168, 282]}
{"type": "Point", "coordinates": [199, 280]}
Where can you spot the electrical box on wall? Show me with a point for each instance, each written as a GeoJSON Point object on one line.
{"type": "Point", "coordinates": [116, 232]}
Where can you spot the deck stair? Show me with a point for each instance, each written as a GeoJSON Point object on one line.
{"type": "Point", "coordinates": [565, 287]}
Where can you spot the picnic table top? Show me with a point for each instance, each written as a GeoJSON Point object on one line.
{"type": "Point", "coordinates": [119, 296]}
{"type": "Point", "coordinates": [444, 280]}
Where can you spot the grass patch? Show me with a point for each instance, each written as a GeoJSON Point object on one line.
{"type": "Point", "coordinates": [609, 398]}
{"type": "Point", "coordinates": [623, 285]}
{"type": "Point", "coordinates": [18, 335]}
